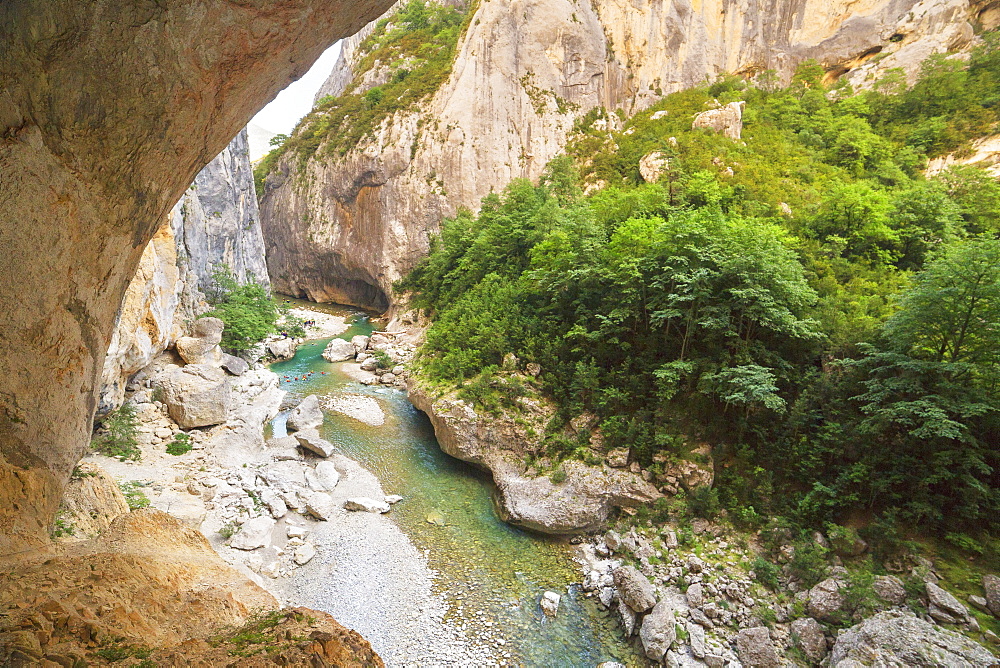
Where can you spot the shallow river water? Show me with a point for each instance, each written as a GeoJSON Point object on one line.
{"type": "Point", "coordinates": [489, 572]}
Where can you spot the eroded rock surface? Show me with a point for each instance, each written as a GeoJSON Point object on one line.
{"type": "Point", "coordinates": [215, 223]}
{"type": "Point", "coordinates": [583, 500]}
{"type": "Point", "coordinates": [896, 639]}
{"type": "Point", "coordinates": [92, 501]}
{"type": "Point", "coordinates": [107, 112]}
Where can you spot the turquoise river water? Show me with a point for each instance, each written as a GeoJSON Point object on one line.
{"type": "Point", "coordinates": [487, 569]}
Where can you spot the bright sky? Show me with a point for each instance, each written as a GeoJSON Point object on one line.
{"type": "Point", "coordinates": [281, 115]}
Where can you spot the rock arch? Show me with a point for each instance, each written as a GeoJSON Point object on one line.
{"type": "Point", "coordinates": [107, 110]}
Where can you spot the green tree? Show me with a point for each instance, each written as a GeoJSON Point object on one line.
{"type": "Point", "coordinates": [248, 310]}
{"type": "Point", "coordinates": [120, 438]}
{"type": "Point", "coordinates": [952, 313]}
{"type": "Point", "coordinates": [854, 217]}
{"type": "Point", "coordinates": [930, 400]}
{"type": "Point", "coordinates": [977, 195]}
{"type": "Point", "coordinates": [924, 217]}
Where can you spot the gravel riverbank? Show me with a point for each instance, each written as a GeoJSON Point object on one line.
{"type": "Point", "coordinates": [365, 571]}
{"type": "Point", "coordinates": [371, 578]}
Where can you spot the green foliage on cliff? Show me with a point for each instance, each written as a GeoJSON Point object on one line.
{"type": "Point", "coordinates": [418, 42]}
{"type": "Point", "coordinates": [804, 299]}
{"type": "Point", "coordinates": [248, 310]}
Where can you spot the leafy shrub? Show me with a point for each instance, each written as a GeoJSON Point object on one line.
{"type": "Point", "coordinates": [120, 438]}
{"type": "Point", "coordinates": [964, 542]}
{"type": "Point", "coordinates": [859, 595]}
{"type": "Point", "coordinates": [768, 574]}
{"type": "Point", "coordinates": [382, 359]}
{"type": "Point", "coordinates": [180, 445]}
{"type": "Point", "coordinates": [62, 527]}
{"type": "Point", "coordinates": [558, 476]}
{"type": "Point", "coordinates": [704, 502]}
{"type": "Point", "coordinates": [291, 324]}
{"type": "Point", "coordinates": [134, 496]}
{"type": "Point", "coordinates": [228, 530]}
{"type": "Point", "coordinates": [80, 474]}
{"type": "Point", "coordinates": [248, 310]}
{"type": "Point", "coordinates": [117, 653]}
{"type": "Point", "coordinates": [808, 564]}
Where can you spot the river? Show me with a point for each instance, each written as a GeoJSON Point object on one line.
{"type": "Point", "coordinates": [490, 573]}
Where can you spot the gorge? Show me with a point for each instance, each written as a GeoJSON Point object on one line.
{"type": "Point", "coordinates": [415, 149]}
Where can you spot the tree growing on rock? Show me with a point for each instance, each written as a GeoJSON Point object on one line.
{"type": "Point", "coordinates": [248, 310]}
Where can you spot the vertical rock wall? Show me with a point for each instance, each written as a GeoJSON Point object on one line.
{"type": "Point", "coordinates": [344, 228]}
{"type": "Point", "coordinates": [216, 221]}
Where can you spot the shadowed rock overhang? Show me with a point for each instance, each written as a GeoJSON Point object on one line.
{"type": "Point", "coordinates": [107, 111]}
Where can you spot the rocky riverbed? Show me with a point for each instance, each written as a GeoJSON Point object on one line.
{"type": "Point", "coordinates": [305, 527]}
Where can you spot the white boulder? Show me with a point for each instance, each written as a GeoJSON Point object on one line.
{"type": "Point", "coordinates": [339, 350]}
{"type": "Point", "coordinates": [254, 533]}
{"type": "Point", "coordinates": [366, 504]}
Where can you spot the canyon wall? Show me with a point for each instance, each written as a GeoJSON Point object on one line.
{"type": "Point", "coordinates": [215, 223]}
{"type": "Point", "coordinates": [107, 111]}
{"type": "Point", "coordinates": [344, 227]}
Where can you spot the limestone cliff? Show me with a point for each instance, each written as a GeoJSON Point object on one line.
{"type": "Point", "coordinates": [342, 226]}
{"type": "Point", "coordinates": [215, 222]}
{"type": "Point", "coordinates": [218, 220]}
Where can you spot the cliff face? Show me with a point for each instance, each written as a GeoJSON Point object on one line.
{"type": "Point", "coordinates": [344, 227]}
{"type": "Point", "coordinates": [215, 222]}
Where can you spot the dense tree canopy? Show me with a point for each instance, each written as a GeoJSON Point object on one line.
{"type": "Point", "coordinates": [805, 299]}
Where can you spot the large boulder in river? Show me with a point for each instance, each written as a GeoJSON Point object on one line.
{"type": "Point", "coordinates": [583, 501]}
{"type": "Point", "coordinates": [202, 346]}
{"type": "Point", "coordinates": [895, 639]}
{"type": "Point", "coordinates": [312, 441]}
{"type": "Point", "coordinates": [360, 343]}
{"type": "Point", "coordinates": [307, 415]}
{"type": "Point", "coordinates": [282, 349]}
{"type": "Point", "coordinates": [196, 395]}
{"type": "Point", "coordinates": [339, 350]}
